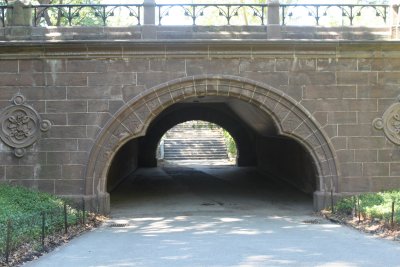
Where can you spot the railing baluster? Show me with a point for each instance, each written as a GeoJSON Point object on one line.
{"type": "Point", "coordinates": [229, 15]}
{"type": "Point", "coordinates": [104, 16]}
{"type": "Point", "coordinates": [159, 15]}
{"type": "Point", "coordinates": [69, 16]}
{"type": "Point", "coordinates": [351, 15]}
{"type": "Point", "coordinates": [35, 16]}
{"type": "Point", "coordinates": [194, 15]}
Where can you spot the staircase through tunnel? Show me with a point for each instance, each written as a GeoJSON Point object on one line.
{"type": "Point", "coordinates": [198, 142]}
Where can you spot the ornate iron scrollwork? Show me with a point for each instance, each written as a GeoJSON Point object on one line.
{"type": "Point", "coordinates": [390, 123]}
{"type": "Point", "coordinates": [21, 125]}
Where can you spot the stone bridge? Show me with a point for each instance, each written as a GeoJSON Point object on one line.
{"type": "Point", "coordinates": [81, 107]}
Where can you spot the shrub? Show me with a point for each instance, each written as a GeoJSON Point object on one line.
{"type": "Point", "coordinates": [24, 210]}
{"type": "Point", "coordinates": [372, 205]}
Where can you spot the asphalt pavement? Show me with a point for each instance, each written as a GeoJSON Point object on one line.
{"type": "Point", "coordinates": [217, 216]}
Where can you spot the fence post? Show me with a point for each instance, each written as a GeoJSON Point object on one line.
{"type": "Point", "coordinates": [8, 241]}
{"type": "Point", "coordinates": [149, 30]}
{"type": "Point", "coordinates": [392, 219]}
{"type": "Point", "coordinates": [83, 211]}
{"type": "Point", "coordinates": [43, 228]}
{"type": "Point", "coordinates": [273, 26]}
{"type": "Point", "coordinates": [65, 219]}
{"type": "Point", "coordinates": [359, 209]}
{"type": "Point", "coordinates": [355, 206]}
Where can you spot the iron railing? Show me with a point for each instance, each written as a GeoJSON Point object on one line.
{"type": "Point", "coordinates": [208, 14]}
{"type": "Point", "coordinates": [84, 15]}
{"type": "Point", "coordinates": [37, 231]}
{"type": "Point", "coordinates": [252, 13]}
{"type": "Point", "coordinates": [338, 14]}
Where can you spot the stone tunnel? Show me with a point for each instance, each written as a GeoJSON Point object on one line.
{"type": "Point", "coordinates": [83, 107]}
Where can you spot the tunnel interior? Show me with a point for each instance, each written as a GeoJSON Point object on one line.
{"type": "Point", "coordinates": [258, 143]}
{"type": "Point", "coordinates": [197, 141]}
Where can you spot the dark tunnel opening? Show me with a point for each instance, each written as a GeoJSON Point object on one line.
{"type": "Point", "coordinates": [260, 147]}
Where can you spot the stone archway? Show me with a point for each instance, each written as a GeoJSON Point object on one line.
{"type": "Point", "coordinates": [195, 111]}
{"type": "Point", "coordinates": [132, 120]}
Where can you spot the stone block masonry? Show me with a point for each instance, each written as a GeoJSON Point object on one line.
{"type": "Point", "coordinates": [86, 88]}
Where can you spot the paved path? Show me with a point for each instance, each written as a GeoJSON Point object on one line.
{"type": "Point", "coordinates": [217, 217]}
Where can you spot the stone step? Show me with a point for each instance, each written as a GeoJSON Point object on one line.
{"type": "Point", "coordinates": [195, 153]}
{"type": "Point", "coordinates": [194, 145]}
{"type": "Point", "coordinates": [194, 157]}
{"type": "Point", "coordinates": [194, 141]}
{"type": "Point", "coordinates": [192, 135]}
{"type": "Point", "coordinates": [185, 148]}
{"type": "Point", "coordinates": [189, 153]}
{"type": "Point", "coordinates": [184, 142]}
{"type": "Point", "coordinates": [206, 149]}
{"type": "Point", "coordinates": [200, 148]}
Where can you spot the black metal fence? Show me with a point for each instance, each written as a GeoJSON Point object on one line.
{"type": "Point", "coordinates": [209, 14]}
{"type": "Point", "coordinates": [290, 14]}
{"type": "Point", "coordinates": [86, 15]}
{"type": "Point", "coordinates": [382, 206]}
{"type": "Point", "coordinates": [36, 232]}
{"type": "Point", "coordinates": [335, 14]}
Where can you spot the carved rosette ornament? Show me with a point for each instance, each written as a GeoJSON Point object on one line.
{"type": "Point", "coordinates": [21, 125]}
{"type": "Point", "coordinates": [390, 123]}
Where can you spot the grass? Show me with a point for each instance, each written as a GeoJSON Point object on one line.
{"type": "Point", "coordinates": [17, 202]}
{"type": "Point", "coordinates": [372, 205]}
{"type": "Point", "coordinates": [25, 209]}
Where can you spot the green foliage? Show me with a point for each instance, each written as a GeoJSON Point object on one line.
{"type": "Point", "coordinates": [230, 144]}
{"type": "Point", "coordinates": [345, 205]}
{"type": "Point", "coordinates": [24, 209]}
{"type": "Point", "coordinates": [372, 205]}
{"type": "Point", "coordinates": [19, 201]}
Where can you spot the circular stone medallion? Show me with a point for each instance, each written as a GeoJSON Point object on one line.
{"type": "Point", "coordinates": [390, 123]}
{"type": "Point", "coordinates": [19, 126]}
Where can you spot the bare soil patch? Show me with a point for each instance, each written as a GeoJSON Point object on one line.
{"type": "Point", "coordinates": [375, 227]}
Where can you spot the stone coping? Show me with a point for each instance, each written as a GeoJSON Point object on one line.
{"type": "Point", "coordinates": [24, 49]}
{"type": "Point", "coordinates": [153, 32]}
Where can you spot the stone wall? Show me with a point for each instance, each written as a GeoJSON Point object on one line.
{"type": "Point", "coordinates": [80, 86]}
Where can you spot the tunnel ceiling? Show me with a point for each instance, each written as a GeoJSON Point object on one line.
{"type": "Point", "coordinates": [254, 118]}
